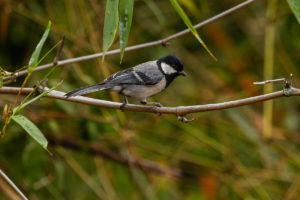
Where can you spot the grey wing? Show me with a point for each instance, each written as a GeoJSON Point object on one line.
{"type": "Point", "coordinates": [149, 73]}
{"type": "Point", "coordinates": [143, 74]}
{"type": "Point", "coordinates": [125, 76]}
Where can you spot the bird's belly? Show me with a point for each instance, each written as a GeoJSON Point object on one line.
{"type": "Point", "coordinates": [143, 91]}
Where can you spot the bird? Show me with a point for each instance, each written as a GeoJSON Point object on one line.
{"type": "Point", "coordinates": [139, 82]}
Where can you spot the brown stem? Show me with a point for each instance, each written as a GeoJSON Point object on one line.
{"type": "Point", "coordinates": [98, 151]}
{"type": "Point", "coordinates": [179, 110]}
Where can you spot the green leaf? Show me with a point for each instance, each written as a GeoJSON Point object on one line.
{"type": "Point", "coordinates": [1, 79]}
{"type": "Point", "coordinates": [156, 11]}
{"type": "Point", "coordinates": [189, 24]}
{"type": "Point", "coordinates": [110, 24]}
{"type": "Point", "coordinates": [295, 6]}
{"type": "Point", "coordinates": [31, 129]}
{"type": "Point", "coordinates": [36, 53]}
{"type": "Point", "coordinates": [126, 12]}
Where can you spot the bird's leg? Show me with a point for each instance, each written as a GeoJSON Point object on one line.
{"type": "Point", "coordinates": [125, 101]}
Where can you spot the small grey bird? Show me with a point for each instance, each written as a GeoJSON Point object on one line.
{"type": "Point", "coordinates": [141, 81]}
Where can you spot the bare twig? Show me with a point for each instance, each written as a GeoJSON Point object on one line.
{"type": "Point", "coordinates": [12, 185]}
{"type": "Point", "coordinates": [40, 87]}
{"type": "Point", "coordinates": [59, 50]}
{"type": "Point", "coordinates": [13, 75]}
{"type": "Point", "coordinates": [163, 42]}
{"type": "Point", "coordinates": [9, 81]}
{"type": "Point", "coordinates": [179, 111]}
{"type": "Point", "coordinates": [269, 81]}
{"type": "Point", "coordinates": [287, 84]}
{"type": "Point", "coordinates": [96, 150]}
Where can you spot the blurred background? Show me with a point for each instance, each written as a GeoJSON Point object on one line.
{"type": "Point", "coordinates": [101, 153]}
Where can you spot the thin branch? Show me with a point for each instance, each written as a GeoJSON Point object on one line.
{"type": "Point", "coordinates": [287, 82]}
{"type": "Point", "coordinates": [96, 150]}
{"type": "Point", "coordinates": [59, 51]}
{"type": "Point", "coordinates": [12, 185]}
{"type": "Point", "coordinates": [179, 111]}
{"type": "Point", "coordinates": [11, 80]}
{"type": "Point", "coordinates": [163, 41]}
{"type": "Point", "coordinates": [269, 81]}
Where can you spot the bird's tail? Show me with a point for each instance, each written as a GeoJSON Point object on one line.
{"type": "Point", "coordinates": [87, 90]}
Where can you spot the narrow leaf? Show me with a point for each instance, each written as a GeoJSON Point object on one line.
{"type": "Point", "coordinates": [36, 53]}
{"type": "Point", "coordinates": [295, 6]}
{"type": "Point", "coordinates": [110, 24]}
{"type": "Point", "coordinates": [31, 129]}
{"type": "Point", "coordinates": [156, 11]}
{"type": "Point", "coordinates": [189, 24]}
{"type": "Point", "coordinates": [1, 79]}
{"type": "Point", "coordinates": [126, 12]}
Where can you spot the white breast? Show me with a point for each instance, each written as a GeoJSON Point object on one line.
{"type": "Point", "coordinates": [143, 91]}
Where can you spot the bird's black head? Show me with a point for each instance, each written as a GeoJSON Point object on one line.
{"type": "Point", "coordinates": [171, 65]}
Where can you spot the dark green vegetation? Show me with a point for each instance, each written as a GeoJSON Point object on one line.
{"type": "Point", "coordinates": [221, 155]}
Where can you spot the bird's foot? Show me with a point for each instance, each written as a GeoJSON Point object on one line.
{"type": "Point", "coordinates": [152, 103]}
{"type": "Point", "coordinates": [155, 106]}
{"type": "Point", "coordinates": [123, 106]}
{"type": "Point", "coordinates": [125, 101]}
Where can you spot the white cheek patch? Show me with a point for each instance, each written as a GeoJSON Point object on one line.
{"type": "Point", "coordinates": [167, 69]}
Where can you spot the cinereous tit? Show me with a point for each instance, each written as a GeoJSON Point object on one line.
{"type": "Point", "coordinates": [141, 81]}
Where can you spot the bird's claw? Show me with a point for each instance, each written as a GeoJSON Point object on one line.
{"type": "Point", "coordinates": [156, 104]}
{"type": "Point", "coordinates": [123, 106]}
{"type": "Point", "coordinates": [154, 108]}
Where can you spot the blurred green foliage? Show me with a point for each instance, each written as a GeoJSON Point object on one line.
{"type": "Point", "coordinates": [221, 155]}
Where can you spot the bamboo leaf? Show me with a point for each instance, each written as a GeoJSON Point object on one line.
{"type": "Point", "coordinates": [189, 24]}
{"type": "Point", "coordinates": [126, 12]}
{"type": "Point", "coordinates": [156, 11]}
{"type": "Point", "coordinates": [295, 6]}
{"type": "Point", "coordinates": [36, 53]}
{"type": "Point", "coordinates": [31, 129]}
{"type": "Point", "coordinates": [1, 79]}
{"type": "Point", "coordinates": [110, 24]}
{"type": "Point", "coordinates": [190, 5]}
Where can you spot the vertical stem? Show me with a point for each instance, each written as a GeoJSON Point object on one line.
{"type": "Point", "coordinates": [268, 65]}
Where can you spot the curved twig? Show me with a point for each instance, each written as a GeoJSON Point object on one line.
{"type": "Point", "coordinates": [179, 111]}
{"type": "Point", "coordinates": [163, 42]}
